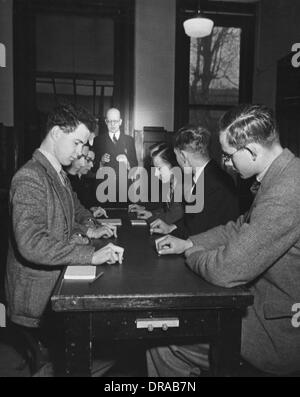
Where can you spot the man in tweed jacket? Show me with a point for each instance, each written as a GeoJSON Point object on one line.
{"type": "Point", "coordinates": [260, 250]}
{"type": "Point", "coordinates": [45, 213]}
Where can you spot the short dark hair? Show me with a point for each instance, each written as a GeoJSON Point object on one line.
{"type": "Point", "coordinates": [68, 117]}
{"type": "Point", "coordinates": [166, 153]}
{"type": "Point", "coordinates": [249, 123]}
{"type": "Point", "coordinates": [194, 139]}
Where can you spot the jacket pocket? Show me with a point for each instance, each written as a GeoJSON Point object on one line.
{"type": "Point", "coordinates": [276, 310]}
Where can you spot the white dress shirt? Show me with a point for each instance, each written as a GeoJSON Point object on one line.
{"type": "Point", "coordinates": [117, 135]}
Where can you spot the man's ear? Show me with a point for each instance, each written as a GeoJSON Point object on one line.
{"type": "Point", "coordinates": [121, 121]}
{"type": "Point", "coordinates": [55, 133]}
{"type": "Point", "coordinates": [183, 156]}
{"type": "Point", "coordinates": [255, 150]}
{"type": "Point", "coordinates": [179, 153]}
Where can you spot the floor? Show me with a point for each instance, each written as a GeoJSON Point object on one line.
{"type": "Point", "coordinates": [130, 361]}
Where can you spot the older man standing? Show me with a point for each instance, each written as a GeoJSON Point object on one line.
{"type": "Point", "coordinates": [114, 148]}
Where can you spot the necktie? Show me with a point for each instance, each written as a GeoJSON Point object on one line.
{"type": "Point", "coordinates": [170, 197]}
{"type": "Point", "coordinates": [254, 188]}
{"type": "Point", "coordinates": [64, 178]}
{"type": "Point", "coordinates": [115, 139]}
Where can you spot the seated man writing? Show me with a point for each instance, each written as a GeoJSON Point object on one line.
{"type": "Point", "coordinates": [45, 214]}
{"type": "Point", "coordinates": [214, 185]}
{"type": "Point", "coordinates": [261, 250]}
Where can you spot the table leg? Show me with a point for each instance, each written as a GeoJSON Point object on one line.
{"type": "Point", "coordinates": [225, 348]}
{"type": "Point", "coordinates": [78, 353]}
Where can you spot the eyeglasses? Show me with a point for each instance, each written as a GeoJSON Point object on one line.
{"type": "Point", "coordinates": [88, 159]}
{"type": "Point", "coordinates": [112, 121]}
{"type": "Point", "coordinates": [228, 157]}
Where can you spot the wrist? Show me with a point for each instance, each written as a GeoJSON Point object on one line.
{"type": "Point", "coordinates": [93, 261]}
{"type": "Point", "coordinates": [188, 244]}
{"type": "Point", "coordinates": [172, 228]}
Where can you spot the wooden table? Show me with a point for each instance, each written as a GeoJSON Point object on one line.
{"type": "Point", "coordinates": [149, 296]}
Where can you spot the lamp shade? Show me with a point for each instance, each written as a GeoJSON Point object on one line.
{"type": "Point", "coordinates": [198, 26]}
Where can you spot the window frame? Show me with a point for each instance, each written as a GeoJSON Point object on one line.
{"type": "Point", "coordinates": [223, 14]}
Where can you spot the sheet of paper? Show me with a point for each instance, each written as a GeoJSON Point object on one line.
{"type": "Point", "coordinates": [111, 221]}
{"type": "Point", "coordinates": [138, 222]}
{"type": "Point", "coordinates": [80, 273]}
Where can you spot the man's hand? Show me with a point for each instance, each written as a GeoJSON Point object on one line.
{"type": "Point", "coordinates": [134, 173]}
{"type": "Point", "coordinates": [122, 158]}
{"type": "Point", "coordinates": [161, 227]}
{"type": "Point", "coordinates": [78, 238]}
{"type": "Point", "coordinates": [109, 254]}
{"type": "Point", "coordinates": [105, 158]}
{"type": "Point", "coordinates": [172, 245]}
{"type": "Point", "coordinates": [105, 230]}
{"type": "Point", "coordinates": [98, 212]}
{"type": "Point", "coordinates": [143, 214]}
{"type": "Point", "coordinates": [135, 208]}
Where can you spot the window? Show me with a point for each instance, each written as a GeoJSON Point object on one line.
{"type": "Point", "coordinates": [214, 73]}
{"type": "Point", "coordinates": [95, 92]}
{"type": "Point", "coordinates": [82, 51]}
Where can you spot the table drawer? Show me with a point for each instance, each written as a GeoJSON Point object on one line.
{"type": "Point", "coordinates": [152, 324]}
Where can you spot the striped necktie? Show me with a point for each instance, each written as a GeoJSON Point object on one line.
{"type": "Point", "coordinates": [64, 178]}
{"type": "Point", "coordinates": [115, 140]}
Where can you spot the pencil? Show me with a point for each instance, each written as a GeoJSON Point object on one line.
{"type": "Point", "coordinates": [96, 278]}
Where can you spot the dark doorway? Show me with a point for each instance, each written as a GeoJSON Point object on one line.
{"type": "Point", "coordinates": [80, 51]}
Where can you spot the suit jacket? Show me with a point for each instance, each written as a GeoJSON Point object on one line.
{"type": "Point", "coordinates": [125, 145]}
{"type": "Point", "coordinates": [262, 250]}
{"type": "Point", "coordinates": [103, 144]}
{"type": "Point", "coordinates": [44, 215]}
{"type": "Point", "coordinates": [169, 211]}
{"type": "Point", "coordinates": [220, 203]}
{"type": "Point", "coordinates": [83, 187]}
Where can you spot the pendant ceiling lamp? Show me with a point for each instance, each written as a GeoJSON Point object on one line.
{"type": "Point", "coordinates": [198, 26]}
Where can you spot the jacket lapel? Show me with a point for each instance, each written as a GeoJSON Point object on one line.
{"type": "Point", "coordinates": [63, 195]}
{"type": "Point", "coordinates": [278, 165]}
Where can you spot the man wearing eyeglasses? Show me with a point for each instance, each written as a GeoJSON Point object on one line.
{"type": "Point", "coordinates": [114, 147]}
{"type": "Point", "coordinates": [89, 162]}
{"type": "Point", "coordinates": [260, 250]}
{"type": "Point", "coordinates": [81, 184]}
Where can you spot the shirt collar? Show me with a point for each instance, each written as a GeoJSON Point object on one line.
{"type": "Point", "coordinates": [199, 171]}
{"type": "Point", "coordinates": [52, 160]}
{"type": "Point", "coordinates": [260, 176]}
{"type": "Point", "coordinates": [117, 135]}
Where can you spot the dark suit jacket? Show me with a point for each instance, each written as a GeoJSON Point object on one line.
{"type": "Point", "coordinates": [169, 212]}
{"type": "Point", "coordinates": [103, 144]}
{"type": "Point", "coordinates": [125, 145]}
{"type": "Point", "coordinates": [262, 249]}
{"type": "Point", "coordinates": [44, 215]}
{"type": "Point", "coordinates": [83, 187]}
{"type": "Point", "coordinates": [220, 203]}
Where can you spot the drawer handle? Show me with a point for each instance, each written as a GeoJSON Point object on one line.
{"type": "Point", "coordinates": [162, 323]}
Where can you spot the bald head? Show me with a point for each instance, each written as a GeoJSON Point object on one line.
{"type": "Point", "coordinates": [113, 113]}
{"type": "Point", "coordinates": [113, 120]}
